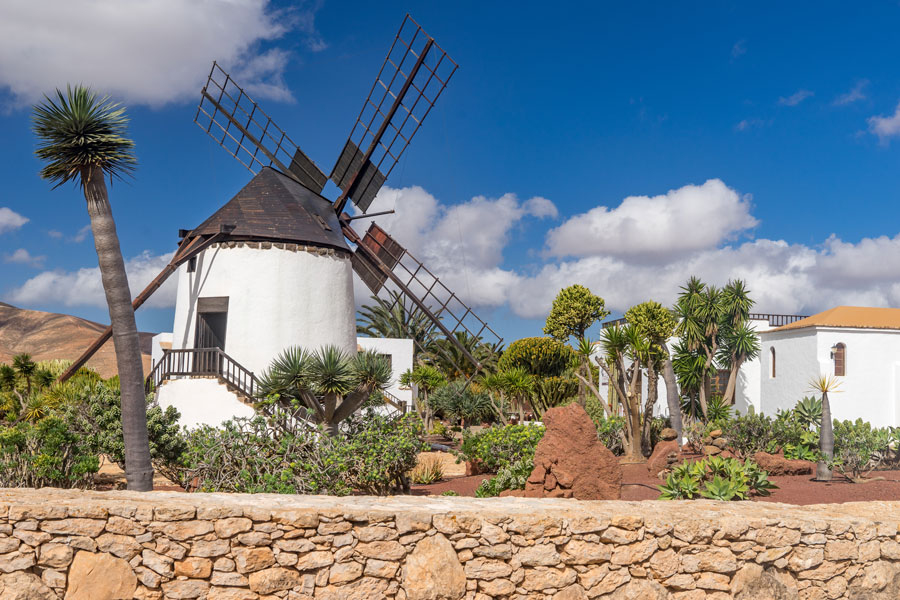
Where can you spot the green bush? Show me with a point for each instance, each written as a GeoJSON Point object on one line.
{"type": "Point", "coordinates": [99, 411]}
{"type": "Point", "coordinates": [49, 452]}
{"type": "Point", "coordinates": [372, 455]}
{"type": "Point", "coordinates": [716, 478]}
{"type": "Point", "coordinates": [497, 447]}
{"type": "Point", "coordinates": [860, 448]}
{"type": "Point", "coordinates": [748, 434]}
{"type": "Point", "coordinates": [509, 477]}
{"type": "Point", "coordinates": [538, 356]}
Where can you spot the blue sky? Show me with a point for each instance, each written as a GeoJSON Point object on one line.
{"type": "Point", "coordinates": [622, 146]}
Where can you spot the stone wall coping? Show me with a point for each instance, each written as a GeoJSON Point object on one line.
{"type": "Point", "coordinates": [488, 509]}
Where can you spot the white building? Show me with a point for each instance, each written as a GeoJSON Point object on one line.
{"type": "Point", "coordinates": [279, 275]}
{"type": "Point", "coordinates": [858, 345]}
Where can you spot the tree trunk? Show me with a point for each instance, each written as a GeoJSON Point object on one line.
{"type": "Point", "coordinates": [652, 393]}
{"type": "Point", "coordinates": [826, 441]}
{"type": "Point", "coordinates": [729, 396]}
{"type": "Point", "coordinates": [582, 392]}
{"type": "Point", "coordinates": [138, 469]}
{"type": "Point", "coordinates": [672, 396]}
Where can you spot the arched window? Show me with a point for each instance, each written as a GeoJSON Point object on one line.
{"type": "Point", "coordinates": [772, 356]}
{"type": "Point", "coordinates": [839, 354]}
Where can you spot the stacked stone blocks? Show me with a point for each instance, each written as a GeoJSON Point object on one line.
{"type": "Point", "coordinates": [76, 545]}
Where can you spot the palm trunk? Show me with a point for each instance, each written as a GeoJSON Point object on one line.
{"type": "Point", "coordinates": [826, 441]}
{"type": "Point", "coordinates": [729, 396]}
{"type": "Point", "coordinates": [652, 392]}
{"type": "Point", "coordinates": [138, 469]}
{"type": "Point", "coordinates": [672, 395]}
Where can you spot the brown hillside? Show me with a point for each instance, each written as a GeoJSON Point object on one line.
{"type": "Point", "coordinates": [47, 336]}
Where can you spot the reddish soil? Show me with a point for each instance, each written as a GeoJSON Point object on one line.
{"type": "Point", "coordinates": [464, 486]}
{"type": "Point", "coordinates": [637, 484]}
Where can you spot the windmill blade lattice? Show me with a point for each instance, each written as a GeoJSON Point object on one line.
{"type": "Point", "coordinates": [415, 281]}
{"type": "Point", "coordinates": [240, 126]}
{"type": "Point", "coordinates": [411, 79]}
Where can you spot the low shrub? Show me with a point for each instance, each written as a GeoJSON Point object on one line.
{"type": "Point", "coordinates": [427, 471]}
{"type": "Point", "coordinates": [496, 447]}
{"type": "Point", "coordinates": [510, 477]}
{"type": "Point", "coordinates": [372, 455]}
{"type": "Point", "coordinates": [49, 452]}
{"type": "Point", "coordinates": [860, 448]}
{"type": "Point", "coordinates": [748, 434]}
{"type": "Point", "coordinates": [716, 478]}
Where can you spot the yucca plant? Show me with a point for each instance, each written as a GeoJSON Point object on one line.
{"type": "Point", "coordinates": [326, 386]}
{"type": "Point", "coordinates": [825, 384]}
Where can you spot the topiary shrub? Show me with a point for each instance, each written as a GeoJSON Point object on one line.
{"type": "Point", "coordinates": [538, 356]}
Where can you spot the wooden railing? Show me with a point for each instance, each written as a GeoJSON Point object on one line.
{"type": "Point", "coordinates": [209, 362]}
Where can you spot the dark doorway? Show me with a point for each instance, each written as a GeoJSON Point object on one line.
{"type": "Point", "coordinates": [212, 320]}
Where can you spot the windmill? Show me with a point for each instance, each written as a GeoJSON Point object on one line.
{"type": "Point", "coordinates": [282, 208]}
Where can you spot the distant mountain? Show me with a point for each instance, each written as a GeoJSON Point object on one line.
{"type": "Point", "coordinates": [47, 336]}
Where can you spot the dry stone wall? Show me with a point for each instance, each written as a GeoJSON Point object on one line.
{"type": "Point", "coordinates": [120, 545]}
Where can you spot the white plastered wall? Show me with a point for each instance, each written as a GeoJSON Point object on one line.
{"type": "Point", "coordinates": [276, 299]}
{"type": "Point", "coordinates": [401, 353]}
{"type": "Point", "coordinates": [868, 390]}
{"type": "Point", "coordinates": [201, 401]}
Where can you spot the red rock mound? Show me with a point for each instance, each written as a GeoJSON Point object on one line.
{"type": "Point", "coordinates": [570, 462]}
{"type": "Point", "coordinates": [777, 464]}
{"type": "Point", "coordinates": [664, 455]}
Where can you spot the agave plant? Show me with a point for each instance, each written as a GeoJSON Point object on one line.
{"type": "Point", "coordinates": [809, 412]}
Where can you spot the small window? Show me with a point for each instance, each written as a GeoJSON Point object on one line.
{"type": "Point", "coordinates": [839, 354]}
{"type": "Point", "coordinates": [192, 265]}
{"type": "Point", "coordinates": [772, 357]}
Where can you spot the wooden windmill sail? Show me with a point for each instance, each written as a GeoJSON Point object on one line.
{"type": "Point", "coordinates": [412, 77]}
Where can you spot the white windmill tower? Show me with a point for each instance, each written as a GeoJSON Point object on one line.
{"type": "Point", "coordinates": [273, 268]}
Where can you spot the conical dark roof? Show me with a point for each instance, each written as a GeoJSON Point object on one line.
{"type": "Point", "coordinates": [274, 207]}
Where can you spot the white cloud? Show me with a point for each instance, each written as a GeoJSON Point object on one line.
{"type": "Point", "coordinates": [463, 244]}
{"type": "Point", "coordinates": [10, 220]}
{"type": "Point", "coordinates": [81, 235]}
{"type": "Point", "coordinates": [688, 231]}
{"type": "Point", "coordinates": [645, 228]}
{"type": "Point", "coordinates": [144, 51]}
{"type": "Point", "coordinates": [795, 98]}
{"type": "Point", "coordinates": [84, 288]}
{"type": "Point", "coordinates": [854, 95]}
{"type": "Point", "coordinates": [885, 127]}
{"type": "Point", "coordinates": [747, 124]}
{"type": "Point", "coordinates": [24, 257]}
{"type": "Point", "coordinates": [739, 49]}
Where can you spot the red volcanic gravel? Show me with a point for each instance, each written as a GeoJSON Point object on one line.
{"type": "Point", "coordinates": [637, 484]}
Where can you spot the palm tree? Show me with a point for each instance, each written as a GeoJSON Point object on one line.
{"type": "Point", "coordinates": [82, 139]}
{"type": "Point", "coordinates": [426, 379]}
{"type": "Point", "coordinates": [446, 356]}
{"type": "Point", "coordinates": [393, 318]}
{"type": "Point", "coordinates": [327, 386]}
{"type": "Point", "coordinates": [519, 385]}
{"type": "Point", "coordinates": [25, 367]}
{"type": "Point", "coordinates": [824, 384]}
